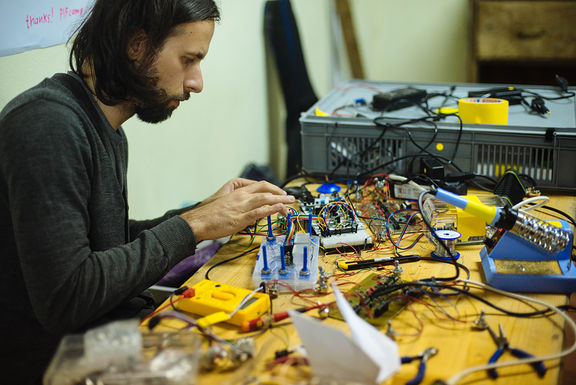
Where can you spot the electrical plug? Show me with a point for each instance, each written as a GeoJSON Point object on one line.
{"type": "Point", "coordinates": [562, 83]}
{"type": "Point", "coordinates": [537, 105]}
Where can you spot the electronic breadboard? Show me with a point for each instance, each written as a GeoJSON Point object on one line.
{"type": "Point", "coordinates": [212, 297]}
{"type": "Point", "coordinates": [343, 228]}
{"type": "Point", "coordinates": [295, 265]}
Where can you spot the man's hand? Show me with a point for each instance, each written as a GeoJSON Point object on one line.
{"type": "Point", "coordinates": [238, 204]}
{"type": "Point", "coordinates": [231, 185]}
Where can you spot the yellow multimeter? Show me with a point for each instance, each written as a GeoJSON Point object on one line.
{"type": "Point", "coordinates": [212, 297]}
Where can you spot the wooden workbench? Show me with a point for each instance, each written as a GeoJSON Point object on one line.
{"type": "Point", "coordinates": [418, 327]}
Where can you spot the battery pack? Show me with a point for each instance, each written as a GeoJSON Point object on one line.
{"type": "Point", "coordinates": [397, 99]}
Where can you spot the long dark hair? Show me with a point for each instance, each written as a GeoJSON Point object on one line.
{"type": "Point", "coordinates": [102, 41]}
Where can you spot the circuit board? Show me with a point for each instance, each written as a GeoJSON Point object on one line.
{"type": "Point", "coordinates": [295, 265]}
{"type": "Point", "coordinates": [375, 310]}
{"type": "Point", "coordinates": [340, 227]}
{"type": "Point", "coordinates": [389, 216]}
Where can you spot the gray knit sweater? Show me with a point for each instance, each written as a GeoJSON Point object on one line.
{"type": "Point", "coordinates": [69, 256]}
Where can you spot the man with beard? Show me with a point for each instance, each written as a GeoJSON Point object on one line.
{"type": "Point", "coordinates": [70, 258]}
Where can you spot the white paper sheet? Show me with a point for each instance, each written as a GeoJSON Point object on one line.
{"type": "Point", "coordinates": [368, 357]}
{"type": "Point", "coordinates": [31, 24]}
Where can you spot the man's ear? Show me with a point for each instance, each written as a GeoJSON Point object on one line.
{"type": "Point", "coordinates": [136, 45]}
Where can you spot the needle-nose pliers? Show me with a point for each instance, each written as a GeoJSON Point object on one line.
{"type": "Point", "coordinates": [503, 346]}
{"type": "Point", "coordinates": [423, 357]}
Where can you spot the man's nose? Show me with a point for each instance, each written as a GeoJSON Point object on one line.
{"type": "Point", "coordinates": [193, 81]}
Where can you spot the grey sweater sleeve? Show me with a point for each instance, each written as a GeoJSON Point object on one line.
{"type": "Point", "coordinates": [136, 227]}
{"type": "Point", "coordinates": [74, 268]}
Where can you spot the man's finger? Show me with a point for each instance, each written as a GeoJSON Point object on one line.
{"type": "Point", "coordinates": [241, 182]}
{"type": "Point", "coordinates": [267, 199]}
{"type": "Point", "coordinates": [264, 186]}
{"type": "Point", "coordinates": [265, 211]}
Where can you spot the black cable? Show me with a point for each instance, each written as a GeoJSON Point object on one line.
{"type": "Point", "coordinates": [481, 186]}
{"type": "Point", "coordinates": [301, 174]}
{"type": "Point", "coordinates": [382, 165]}
{"type": "Point", "coordinates": [536, 94]}
{"type": "Point", "coordinates": [489, 178]}
{"type": "Point", "coordinates": [396, 245]}
{"type": "Point", "coordinates": [565, 215]}
{"type": "Point", "coordinates": [529, 179]}
{"type": "Point", "coordinates": [382, 291]}
{"type": "Point", "coordinates": [461, 266]}
{"type": "Point", "coordinates": [460, 130]}
{"type": "Point", "coordinates": [425, 119]}
{"type": "Point", "coordinates": [362, 155]}
{"type": "Point", "coordinates": [432, 139]}
{"type": "Point", "coordinates": [373, 144]}
{"type": "Point", "coordinates": [438, 116]}
{"type": "Point", "coordinates": [430, 118]}
{"type": "Point", "coordinates": [228, 260]}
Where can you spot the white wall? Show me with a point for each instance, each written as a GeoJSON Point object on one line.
{"type": "Point", "coordinates": [211, 138]}
{"type": "Point", "coordinates": [413, 40]}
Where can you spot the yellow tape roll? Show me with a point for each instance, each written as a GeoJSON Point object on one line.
{"type": "Point", "coordinates": [483, 110]}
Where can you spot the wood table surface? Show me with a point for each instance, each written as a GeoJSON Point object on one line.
{"type": "Point", "coordinates": [448, 325]}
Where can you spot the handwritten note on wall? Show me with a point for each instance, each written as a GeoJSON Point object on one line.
{"type": "Point", "coordinates": [31, 24]}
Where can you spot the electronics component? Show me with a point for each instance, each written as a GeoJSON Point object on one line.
{"type": "Point", "coordinates": [295, 264]}
{"type": "Point", "coordinates": [369, 303]}
{"type": "Point", "coordinates": [513, 256]}
{"type": "Point", "coordinates": [213, 297]}
{"type": "Point", "coordinates": [225, 357]}
{"type": "Point", "coordinates": [300, 192]}
{"type": "Point", "coordinates": [389, 217]}
{"type": "Point", "coordinates": [328, 188]}
{"type": "Point", "coordinates": [397, 99]}
{"type": "Point", "coordinates": [261, 322]}
{"type": "Point", "coordinates": [432, 167]}
{"type": "Point", "coordinates": [323, 276]}
{"type": "Point", "coordinates": [408, 191]}
{"type": "Point", "coordinates": [341, 227]}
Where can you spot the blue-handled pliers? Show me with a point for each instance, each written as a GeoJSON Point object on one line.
{"type": "Point", "coordinates": [503, 345]}
{"type": "Point", "coordinates": [423, 357]}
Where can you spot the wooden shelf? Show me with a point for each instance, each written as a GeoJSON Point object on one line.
{"type": "Point", "coordinates": [523, 41]}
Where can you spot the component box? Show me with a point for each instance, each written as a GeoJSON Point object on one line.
{"type": "Point", "coordinates": [339, 135]}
